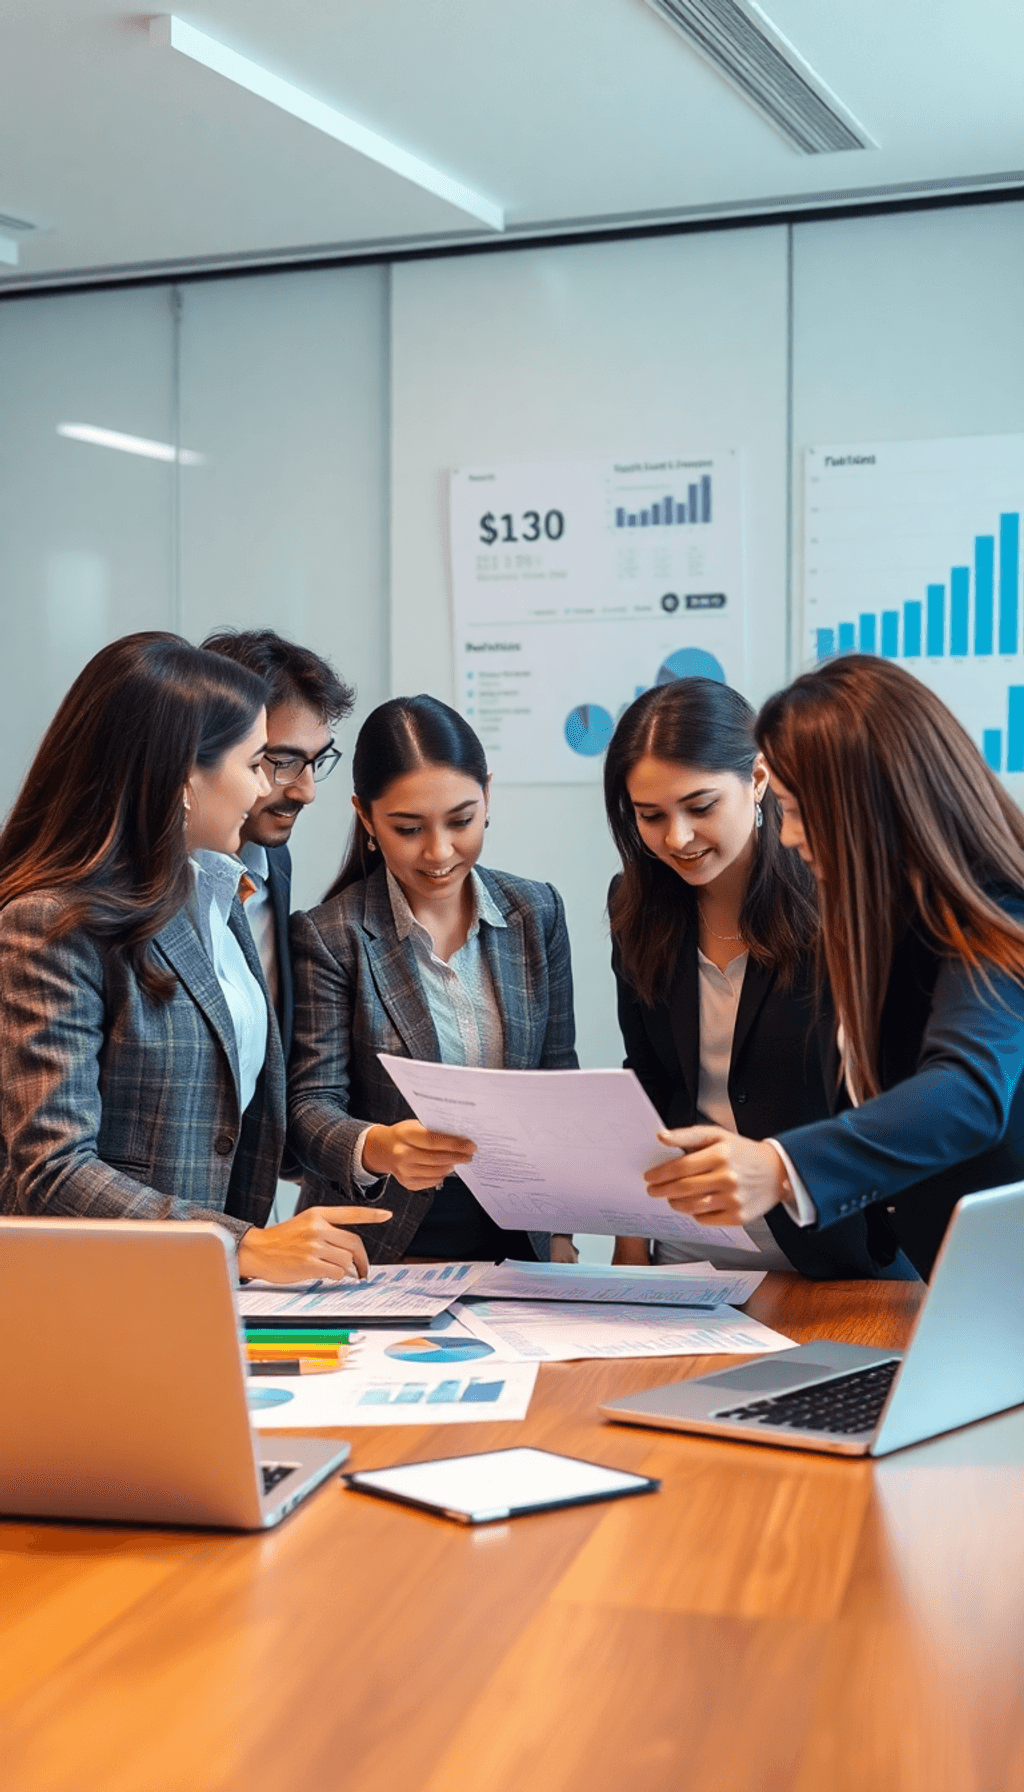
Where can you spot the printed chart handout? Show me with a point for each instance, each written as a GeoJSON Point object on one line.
{"type": "Point", "coordinates": [390, 1293]}
{"type": "Point", "coordinates": [562, 1332]}
{"type": "Point", "coordinates": [579, 584]}
{"type": "Point", "coordinates": [406, 1394]}
{"type": "Point", "coordinates": [658, 1285]}
{"type": "Point", "coordinates": [557, 1150]}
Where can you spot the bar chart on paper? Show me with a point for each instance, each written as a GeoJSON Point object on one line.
{"type": "Point", "coordinates": [913, 552]}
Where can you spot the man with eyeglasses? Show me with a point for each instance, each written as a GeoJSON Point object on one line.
{"type": "Point", "coordinates": [306, 697]}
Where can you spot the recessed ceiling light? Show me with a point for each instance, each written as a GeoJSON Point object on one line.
{"type": "Point", "coordinates": [171, 31]}
{"type": "Point", "coordinates": [114, 438]}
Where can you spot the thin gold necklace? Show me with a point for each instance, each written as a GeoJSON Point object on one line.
{"type": "Point", "coordinates": [716, 936]}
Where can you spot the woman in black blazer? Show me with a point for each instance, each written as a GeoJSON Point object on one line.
{"type": "Point", "coordinates": [918, 854]}
{"type": "Point", "coordinates": [712, 927]}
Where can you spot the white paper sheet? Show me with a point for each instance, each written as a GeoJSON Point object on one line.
{"type": "Point", "coordinates": [553, 1332]}
{"type": "Point", "coordinates": [410, 1395]}
{"type": "Point", "coordinates": [390, 1291]}
{"type": "Point", "coordinates": [660, 1285]}
{"type": "Point", "coordinates": [557, 1150]}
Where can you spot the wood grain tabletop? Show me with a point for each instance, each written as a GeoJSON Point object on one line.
{"type": "Point", "coordinates": [771, 1621]}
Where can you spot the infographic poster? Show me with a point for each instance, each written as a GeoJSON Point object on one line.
{"type": "Point", "coordinates": [579, 584]}
{"type": "Point", "coordinates": [913, 552]}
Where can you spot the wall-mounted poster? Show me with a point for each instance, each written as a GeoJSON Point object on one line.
{"type": "Point", "coordinates": [579, 584]}
{"type": "Point", "coordinates": [913, 551]}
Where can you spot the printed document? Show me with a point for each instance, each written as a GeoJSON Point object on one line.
{"type": "Point", "coordinates": [407, 1394]}
{"type": "Point", "coordinates": [391, 1291]}
{"type": "Point", "coordinates": [660, 1285]}
{"type": "Point", "coordinates": [556, 1332]}
{"type": "Point", "coordinates": [556, 1150]}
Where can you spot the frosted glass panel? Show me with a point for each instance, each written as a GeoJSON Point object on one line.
{"type": "Point", "coordinates": [284, 393]}
{"type": "Point", "coordinates": [85, 531]}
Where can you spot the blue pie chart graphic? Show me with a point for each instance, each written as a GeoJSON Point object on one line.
{"type": "Point", "coordinates": [690, 662]}
{"type": "Point", "coordinates": [439, 1350]}
{"type": "Point", "coordinates": [588, 729]}
{"type": "Point", "coordinates": [260, 1398]}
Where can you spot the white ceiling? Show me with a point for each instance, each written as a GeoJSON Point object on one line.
{"type": "Point", "coordinates": [571, 114]}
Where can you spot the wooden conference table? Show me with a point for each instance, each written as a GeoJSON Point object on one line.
{"type": "Point", "coordinates": [770, 1622]}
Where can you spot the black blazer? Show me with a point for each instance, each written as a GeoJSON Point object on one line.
{"type": "Point", "coordinates": [950, 1118]}
{"type": "Point", "coordinates": [279, 884]}
{"type": "Point", "coordinates": [776, 1082]}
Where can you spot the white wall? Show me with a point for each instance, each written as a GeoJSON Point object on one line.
{"type": "Point", "coordinates": [284, 389]}
{"type": "Point", "coordinates": [85, 534]}
{"type": "Point", "coordinates": [562, 352]}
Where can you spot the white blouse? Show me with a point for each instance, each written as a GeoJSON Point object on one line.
{"type": "Point", "coordinates": [214, 885]}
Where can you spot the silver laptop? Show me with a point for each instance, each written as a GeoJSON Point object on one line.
{"type": "Point", "coordinates": [965, 1360]}
{"type": "Point", "coordinates": [123, 1386]}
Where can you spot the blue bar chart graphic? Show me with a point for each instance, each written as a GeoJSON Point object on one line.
{"type": "Point", "coordinates": [670, 511]}
{"type": "Point", "coordinates": [930, 534]}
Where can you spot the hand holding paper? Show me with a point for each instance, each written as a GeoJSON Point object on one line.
{"type": "Point", "coordinates": [722, 1179]}
{"type": "Point", "coordinates": [556, 1150]}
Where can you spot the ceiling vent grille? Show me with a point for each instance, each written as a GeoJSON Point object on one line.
{"type": "Point", "coordinates": [745, 47]}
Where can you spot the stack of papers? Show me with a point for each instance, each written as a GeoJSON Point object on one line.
{"type": "Point", "coordinates": [660, 1285]}
{"type": "Point", "coordinates": [392, 1293]}
{"type": "Point", "coordinates": [562, 1332]}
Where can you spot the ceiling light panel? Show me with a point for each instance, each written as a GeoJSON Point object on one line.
{"type": "Point", "coordinates": [124, 444]}
{"type": "Point", "coordinates": [176, 34]}
{"type": "Point", "coordinates": [737, 38]}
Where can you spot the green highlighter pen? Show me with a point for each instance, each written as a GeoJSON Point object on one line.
{"type": "Point", "coordinates": [261, 1334]}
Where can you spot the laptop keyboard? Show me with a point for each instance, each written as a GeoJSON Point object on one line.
{"type": "Point", "coordinates": [846, 1404]}
{"type": "Point", "coordinates": [276, 1472]}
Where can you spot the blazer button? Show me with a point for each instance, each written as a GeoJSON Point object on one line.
{"type": "Point", "coordinates": [223, 1144]}
{"type": "Point", "coordinates": [741, 1095]}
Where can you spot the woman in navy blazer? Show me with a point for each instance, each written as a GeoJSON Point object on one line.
{"type": "Point", "coordinates": [712, 925]}
{"type": "Point", "coordinates": [417, 952]}
{"type": "Point", "coordinates": [919, 858]}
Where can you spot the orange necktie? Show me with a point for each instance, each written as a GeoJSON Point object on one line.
{"type": "Point", "coordinates": [246, 887]}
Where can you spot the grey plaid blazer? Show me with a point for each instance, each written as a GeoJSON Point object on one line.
{"type": "Point", "coordinates": [115, 1107]}
{"type": "Point", "coordinates": [358, 992]}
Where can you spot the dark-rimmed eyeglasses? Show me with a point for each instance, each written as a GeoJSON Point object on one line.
{"type": "Point", "coordinates": [286, 768]}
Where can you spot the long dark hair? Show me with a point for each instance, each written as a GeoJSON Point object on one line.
{"type": "Point", "coordinates": [100, 815]}
{"type": "Point", "coordinates": [906, 825]}
{"type": "Point", "coordinates": [398, 737]}
{"type": "Point", "coordinates": [701, 723]}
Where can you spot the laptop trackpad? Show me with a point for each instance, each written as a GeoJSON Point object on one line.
{"type": "Point", "coordinates": [757, 1378]}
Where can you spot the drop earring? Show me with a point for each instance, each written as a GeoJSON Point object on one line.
{"type": "Point", "coordinates": [371, 843]}
{"type": "Point", "coordinates": [758, 816]}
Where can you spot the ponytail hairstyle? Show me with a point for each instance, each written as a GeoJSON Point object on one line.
{"type": "Point", "coordinates": [906, 825]}
{"type": "Point", "coordinates": [100, 816]}
{"type": "Point", "coordinates": [700, 723]}
{"type": "Point", "coordinates": [398, 737]}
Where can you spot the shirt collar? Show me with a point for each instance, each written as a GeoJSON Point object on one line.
{"type": "Point", "coordinates": [484, 909]}
{"type": "Point", "coordinates": [254, 858]}
{"type": "Point", "coordinates": [216, 877]}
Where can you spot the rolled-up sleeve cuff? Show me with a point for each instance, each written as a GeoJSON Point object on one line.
{"type": "Point", "coordinates": [795, 1199]}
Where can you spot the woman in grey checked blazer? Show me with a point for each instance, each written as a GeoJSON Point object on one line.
{"type": "Point", "coordinates": [417, 952]}
{"type": "Point", "coordinates": [141, 1074]}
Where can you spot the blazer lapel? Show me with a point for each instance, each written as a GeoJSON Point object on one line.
{"type": "Point", "coordinates": [393, 968]}
{"type": "Point", "coordinates": [684, 1013]}
{"type": "Point", "coordinates": [179, 943]}
{"type": "Point", "coordinates": [757, 981]}
{"type": "Point", "coordinates": [505, 951]}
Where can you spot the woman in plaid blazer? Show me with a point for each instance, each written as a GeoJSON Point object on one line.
{"type": "Point", "coordinates": [417, 952]}
{"type": "Point", "coordinates": [141, 1073]}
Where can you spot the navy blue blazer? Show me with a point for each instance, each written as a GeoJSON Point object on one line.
{"type": "Point", "coordinates": [279, 885]}
{"type": "Point", "coordinates": [950, 1118]}
{"type": "Point", "coordinates": [776, 1082]}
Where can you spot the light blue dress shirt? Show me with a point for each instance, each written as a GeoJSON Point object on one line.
{"type": "Point", "coordinates": [215, 878]}
{"type": "Point", "coordinates": [459, 995]}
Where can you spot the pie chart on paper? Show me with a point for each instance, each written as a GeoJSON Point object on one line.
{"type": "Point", "coordinates": [439, 1350]}
{"type": "Point", "coordinates": [588, 729]}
